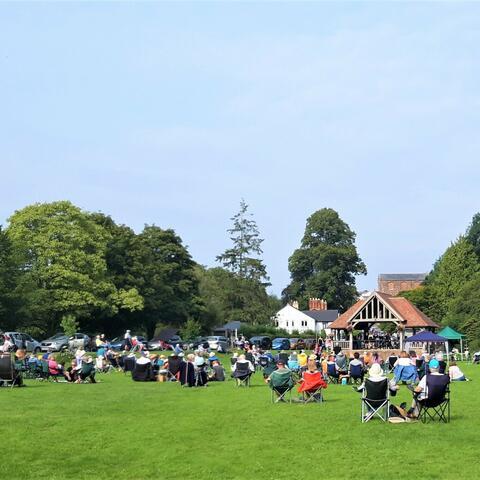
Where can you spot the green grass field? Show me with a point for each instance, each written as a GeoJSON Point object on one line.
{"type": "Point", "coordinates": [125, 430]}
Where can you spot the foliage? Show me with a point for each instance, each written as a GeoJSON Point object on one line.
{"type": "Point", "coordinates": [326, 263]}
{"type": "Point", "coordinates": [243, 258]}
{"type": "Point", "coordinates": [473, 234]}
{"type": "Point", "coordinates": [162, 271]}
{"type": "Point", "coordinates": [253, 330]}
{"type": "Point", "coordinates": [229, 297]}
{"type": "Point", "coordinates": [8, 278]}
{"type": "Point", "coordinates": [60, 253]}
{"type": "Point", "coordinates": [69, 325]}
{"type": "Point", "coordinates": [191, 329]}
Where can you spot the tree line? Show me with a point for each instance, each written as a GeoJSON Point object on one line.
{"type": "Point", "coordinates": [62, 268]}
{"type": "Point", "coordinates": [451, 292]}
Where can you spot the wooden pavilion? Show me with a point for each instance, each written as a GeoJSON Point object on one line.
{"type": "Point", "coordinates": [377, 309]}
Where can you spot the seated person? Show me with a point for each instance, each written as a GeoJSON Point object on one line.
{"type": "Point", "coordinates": [242, 360]}
{"type": "Point", "coordinates": [143, 371]}
{"type": "Point", "coordinates": [404, 371]}
{"type": "Point", "coordinates": [376, 374]}
{"type": "Point", "coordinates": [356, 368]}
{"type": "Point", "coordinates": [420, 392]}
{"type": "Point", "coordinates": [293, 361]}
{"type": "Point", "coordinates": [312, 379]}
{"type": "Point", "coordinates": [280, 380]}
{"type": "Point", "coordinates": [71, 373]}
{"type": "Point", "coordinates": [341, 363]}
{"type": "Point", "coordinates": [455, 374]}
{"type": "Point", "coordinates": [217, 373]}
{"type": "Point", "coordinates": [162, 366]}
{"type": "Point", "coordinates": [302, 359]}
{"type": "Point", "coordinates": [212, 358]}
{"type": "Point", "coordinates": [87, 371]}
{"type": "Point", "coordinates": [54, 369]}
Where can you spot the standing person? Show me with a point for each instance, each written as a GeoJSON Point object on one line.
{"type": "Point", "coordinates": [127, 340]}
{"type": "Point", "coordinates": [7, 345]}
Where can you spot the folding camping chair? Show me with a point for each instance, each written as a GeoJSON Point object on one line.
{"type": "Point", "coordinates": [391, 363]}
{"type": "Point", "coordinates": [174, 363]}
{"type": "Point", "coordinates": [375, 400]}
{"type": "Point", "coordinates": [356, 374]}
{"type": "Point", "coordinates": [242, 374]}
{"type": "Point", "coordinates": [436, 406]}
{"type": "Point", "coordinates": [332, 374]}
{"type": "Point", "coordinates": [8, 374]}
{"type": "Point", "coordinates": [281, 384]}
{"type": "Point", "coordinates": [421, 367]}
{"type": "Point", "coordinates": [129, 363]}
{"type": "Point", "coordinates": [311, 387]}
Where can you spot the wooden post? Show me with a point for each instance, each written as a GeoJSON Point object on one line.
{"type": "Point", "coordinates": [350, 338]}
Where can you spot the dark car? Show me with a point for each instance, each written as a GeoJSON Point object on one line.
{"type": "Point", "coordinates": [118, 342]}
{"type": "Point", "coordinates": [195, 343]}
{"type": "Point", "coordinates": [281, 344]}
{"type": "Point", "coordinates": [261, 341]}
{"type": "Point", "coordinates": [310, 343]}
{"type": "Point", "coordinates": [297, 344]}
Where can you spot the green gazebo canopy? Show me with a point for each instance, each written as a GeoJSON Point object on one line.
{"type": "Point", "coordinates": [451, 334]}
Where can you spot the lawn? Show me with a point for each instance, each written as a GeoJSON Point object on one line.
{"type": "Point", "coordinates": [125, 430]}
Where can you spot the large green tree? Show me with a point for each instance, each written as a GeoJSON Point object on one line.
{"type": "Point", "coordinates": [244, 257]}
{"type": "Point", "coordinates": [162, 270]}
{"type": "Point", "coordinates": [326, 263]}
{"type": "Point", "coordinates": [458, 265]}
{"type": "Point", "coordinates": [60, 252]}
{"type": "Point", "coordinates": [8, 278]}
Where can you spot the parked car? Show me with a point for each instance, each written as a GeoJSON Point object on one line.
{"type": "Point", "coordinates": [281, 344]}
{"type": "Point", "coordinates": [56, 343]}
{"type": "Point", "coordinates": [160, 344]}
{"type": "Point", "coordinates": [297, 344]}
{"type": "Point", "coordinates": [118, 342]}
{"type": "Point", "coordinates": [261, 341]}
{"type": "Point", "coordinates": [25, 341]}
{"type": "Point", "coordinates": [218, 343]}
{"type": "Point", "coordinates": [310, 343]}
{"type": "Point", "coordinates": [79, 340]}
{"type": "Point", "coordinates": [194, 343]}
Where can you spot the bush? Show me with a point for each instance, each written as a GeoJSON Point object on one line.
{"type": "Point", "coordinates": [64, 358]}
{"type": "Point", "coordinates": [253, 330]}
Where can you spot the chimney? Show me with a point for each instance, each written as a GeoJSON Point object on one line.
{"type": "Point", "coordinates": [294, 304]}
{"type": "Point", "coordinates": [316, 304]}
{"type": "Point", "coordinates": [324, 305]}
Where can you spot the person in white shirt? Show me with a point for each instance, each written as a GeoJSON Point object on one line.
{"type": "Point", "coordinates": [242, 359]}
{"type": "Point", "coordinates": [455, 374]}
{"type": "Point", "coordinates": [7, 345]}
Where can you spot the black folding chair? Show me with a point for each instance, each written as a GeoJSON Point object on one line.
{"type": "Point", "coordinates": [174, 363]}
{"type": "Point", "coordinates": [392, 359]}
{"type": "Point", "coordinates": [436, 406]}
{"type": "Point", "coordinates": [375, 400]}
{"type": "Point", "coordinates": [356, 374]}
{"type": "Point", "coordinates": [8, 374]}
{"type": "Point", "coordinates": [242, 374]}
{"type": "Point", "coordinates": [332, 374]}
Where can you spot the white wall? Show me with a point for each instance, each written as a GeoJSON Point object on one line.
{"type": "Point", "coordinates": [289, 319]}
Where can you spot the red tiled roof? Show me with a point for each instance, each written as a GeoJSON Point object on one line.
{"type": "Point", "coordinates": [406, 311]}
{"type": "Point", "coordinates": [342, 321]}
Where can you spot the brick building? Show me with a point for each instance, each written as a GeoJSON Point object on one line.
{"type": "Point", "coordinates": [394, 283]}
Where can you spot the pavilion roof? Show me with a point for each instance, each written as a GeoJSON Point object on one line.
{"type": "Point", "coordinates": [404, 310]}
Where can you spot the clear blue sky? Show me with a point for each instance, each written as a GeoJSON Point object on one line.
{"type": "Point", "coordinates": [170, 113]}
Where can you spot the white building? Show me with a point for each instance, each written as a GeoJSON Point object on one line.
{"type": "Point", "coordinates": [317, 318]}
